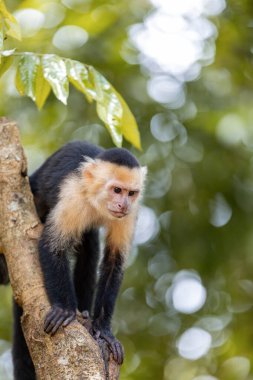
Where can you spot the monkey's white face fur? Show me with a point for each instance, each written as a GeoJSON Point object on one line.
{"type": "Point", "coordinates": [112, 189]}
{"type": "Point", "coordinates": [101, 193]}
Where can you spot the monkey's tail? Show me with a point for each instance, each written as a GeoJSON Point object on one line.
{"type": "Point", "coordinates": [4, 277]}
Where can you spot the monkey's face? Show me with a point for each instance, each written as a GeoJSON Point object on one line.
{"type": "Point", "coordinates": [121, 200]}
{"type": "Point", "coordinates": [113, 190]}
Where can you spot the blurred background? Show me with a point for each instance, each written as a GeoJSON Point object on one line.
{"type": "Point", "coordinates": [185, 69]}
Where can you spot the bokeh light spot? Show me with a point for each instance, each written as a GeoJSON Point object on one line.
{"type": "Point", "coordinates": [164, 128]}
{"type": "Point", "coordinates": [70, 37]}
{"type": "Point", "coordinates": [231, 130]}
{"type": "Point", "coordinates": [188, 294]}
{"type": "Point", "coordinates": [166, 90]}
{"type": "Point", "coordinates": [221, 212]}
{"type": "Point", "coordinates": [30, 20]}
{"type": "Point", "coordinates": [54, 14]}
{"type": "Point", "coordinates": [6, 365]}
{"type": "Point", "coordinates": [147, 226]}
{"type": "Point", "coordinates": [194, 343]}
{"type": "Point", "coordinates": [237, 367]}
{"type": "Point", "coordinates": [176, 39]}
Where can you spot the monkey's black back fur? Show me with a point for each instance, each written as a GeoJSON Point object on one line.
{"type": "Point", "coordinates": [45, 181]}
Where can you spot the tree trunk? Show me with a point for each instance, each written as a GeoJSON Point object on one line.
{"type": "Point", "coordinates": [72, 353]}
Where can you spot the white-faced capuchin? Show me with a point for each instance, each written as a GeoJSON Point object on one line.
{"type": "Point", "coordinates": [78, 189]}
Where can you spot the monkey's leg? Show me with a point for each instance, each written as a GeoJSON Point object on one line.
{"type": "Point", "coordinates": [111, 274]}
{"type": "Point", "coordinates": [23, 365]}
{"type": "Point", "coordinates": [59, 287]}
{"type": "Point", "coordinates": [85, 270]}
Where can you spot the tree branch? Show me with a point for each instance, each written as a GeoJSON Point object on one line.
{"type": "Point", "coordinates": [72, 353]}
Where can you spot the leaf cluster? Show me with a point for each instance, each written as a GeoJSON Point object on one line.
{"type": "Point", "coordinates": [38, 74]}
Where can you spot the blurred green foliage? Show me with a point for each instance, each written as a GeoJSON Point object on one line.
{"type": "Point", "coordinates": [191, 280]}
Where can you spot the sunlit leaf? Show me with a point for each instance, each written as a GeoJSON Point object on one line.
{"type": "Point", "coordinates": [7, 53]}
{"type": "Point", "coordinates": [1, 39]}
{"type": "Point", "coordinates": [4, 11]}
{"type": "Point", "coordinates": [30, 80]}
{"type": "Point", "coordinates": [42, 88]}
{"type": "Point", "coordinates": [78, 75]}
{"type": "Point", "coordinates": [129, 126]}
{"type": "Point", "coordinates": [13, 29]}
{"type": "Point", "coordinates": [11, 24]}
{"type": "Point", "coordinates": [54, 71]}
{"type": "Point", "coordinates": [109, 108]}
{"type": "Point", "coordinates": [26, 74]}
{"type": "Point", "coordinates": [5, 64]}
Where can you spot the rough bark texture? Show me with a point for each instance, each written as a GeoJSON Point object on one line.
{"type": "Point", "coordinates": [72, 353]}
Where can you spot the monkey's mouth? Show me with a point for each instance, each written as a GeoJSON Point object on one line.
{"type": "Point", "coordinates": [118, 214]}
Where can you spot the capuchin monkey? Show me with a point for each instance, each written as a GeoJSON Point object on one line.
{"type": "Point", "coordinates": [77, 190]}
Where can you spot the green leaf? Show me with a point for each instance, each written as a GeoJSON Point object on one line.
{"type": "Point", "coordinates": [7, 53]}
{"type": "Point", "coordinates": [4, 11]}
{"type": "Point", "coordinates": [109, 108]}
{"type": "Point", "coordinates": [42, 88]}
{"type": "Point", "coordinates": [26, 74]}
{"type": "Point", "coordinates": [13, 29]}
{"type": "Point", "coordinates": [54, 71]}
{"type": "Point", "coordinates": [5, 64]}
{"type": "Point", "coordinates": [129, 126]}
{"type": "Point", "coordinates": [11, 24]}
{"type": "Point", "coordinates": [30, 80]}
{"type": "Point", "coordinates": [78, 75]}
{"type": "Point", "coordinates": [1, 39]}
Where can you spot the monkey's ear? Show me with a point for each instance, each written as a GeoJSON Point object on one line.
{"type": "Point", "coordinates": [89, 167]}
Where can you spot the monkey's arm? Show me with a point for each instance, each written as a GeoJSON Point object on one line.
{"type": "Point", "coordinates": [118, 241]}
{"type": "Point", "coordinates": [111, 273]}
{"type": "Point", "coordinates": [58, 285]}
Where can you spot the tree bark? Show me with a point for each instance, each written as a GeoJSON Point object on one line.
{"type": "Point", "coordinates": [72, 353]}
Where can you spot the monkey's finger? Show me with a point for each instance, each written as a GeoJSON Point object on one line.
{"type": "Point", "coordinates": [120, 353]}
{"type": "Point", "coordinates": [51, 327]}
{"type": "Point", "coordinates": [56, 325]}
{"type": "Point", "coordinates": [68, 320]}
{"type": "Point", "coordinates": [114, 351]}
{"type": "Point", "coordinates": [48, 326]}
{"type": "Point", "coordinates": [62, 321]}
{"type": "Point", "coordinates": [112, 346]}
{"type": "Point", "coordinates": [51, 319]}
{"type": "Point", "coordinates": [53, 312]}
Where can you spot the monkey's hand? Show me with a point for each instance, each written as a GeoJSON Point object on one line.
{"type": "Point", "coordinates": [57, 317]}
{"type": "Point", "coordinates": [113, 344]}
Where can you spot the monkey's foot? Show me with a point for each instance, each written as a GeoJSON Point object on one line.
{"type": "Point", "coordinates": [57, 317]}
{"type": "Point", "coordinates": [113, 344]}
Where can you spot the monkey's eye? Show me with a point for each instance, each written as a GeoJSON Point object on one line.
{"type": "Point", "coordinates": [131, 193]}
{"type": "Point", "coordinates": [117, 190]}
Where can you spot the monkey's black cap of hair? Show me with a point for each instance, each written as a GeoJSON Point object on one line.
{"type": "Point", "coordinates": [119, 156]}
